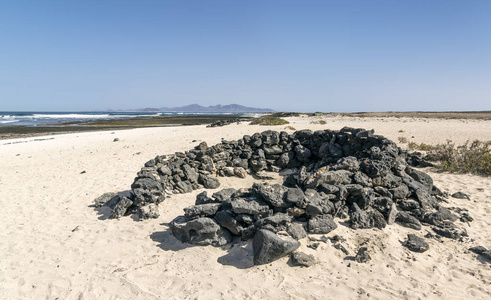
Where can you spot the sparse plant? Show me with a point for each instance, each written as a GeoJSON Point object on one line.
{"type": "Point", "coordinates": [402, 139]}
{"type": "Point", "coordinates": [321, 122]}
{"type": "Point", "coordinates": [290, 128]}
{"type": "Point", "coordinates": [472, 158]}
{"type": "Point", "coordinates": [422, 146]}
{"type": "Point", "coordinates": [269, 120]}
{"type": "Point", "coordinates": [401, 130]}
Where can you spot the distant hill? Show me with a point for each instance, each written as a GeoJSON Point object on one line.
{"type": "Point", "coordinates": [196, 108]}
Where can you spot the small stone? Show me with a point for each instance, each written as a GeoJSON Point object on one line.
{"type": "Point", "coordinates": [407, 220]}
{"type": "Point", "coordinates": [226, 219]}
{"type": "Point", "coordinates": [341, 248]}
{"type": "Point", "coordinates": [314, 245]}
{"type": "Point", "coordinates": [362, 255]}
{"type": "Point", "coordinates": [321, 224]}
{"type": "Point", "coordinates": [416, 244]}
{"type": "Point", "coordinates": [478, 249]}
{"type": "Point", "coordinates": [301, 259]}
{"type": "Point", "coordinates": [391, 218]}
{"type": "Point", "coordinates": [460, 195]}
{"type": "Point", "coordinates": [224, 194]}
{"type": "Point", "coordinates": [202, 198]}
{"type": "Point", "coordinates": [296, 231]}
{"type": "Point", "coordinates": [107, 199]}
{"type": "Point", "coordinates": [228, 171]}
{"type": "Point", "coordinates": [264, 175]}
{"type": "Point", "coordinates": [451, 233]}
{"type": "Point", "coordinates": [240, 172]}
{"type": "Point", "coordinates": [201, 146]}
{"type": "Point", "coordinates": [150, 211]}
{"type": "Point", "coordinates": [209, 181]}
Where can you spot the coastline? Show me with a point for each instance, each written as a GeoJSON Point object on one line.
{"type": "Point", "coordinates": [56, 245]}
{"type": "Point", "coordinates": [15, 131]}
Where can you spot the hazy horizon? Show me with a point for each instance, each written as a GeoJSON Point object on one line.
{"type": "Point", "coordinates": [329, 56]}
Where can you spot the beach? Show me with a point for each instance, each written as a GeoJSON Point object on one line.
{"type": "Point", "coordinates": [55, 245]}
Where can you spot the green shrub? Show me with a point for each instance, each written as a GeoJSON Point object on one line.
{"type": "Point", "coordinates": [321, 122]}
{"type": "Point", "coordinates": [269, 120]}
{"type": "Point", "coordinates": [472, 158]}
{"type": "Point", "coordinates": [291, 128]}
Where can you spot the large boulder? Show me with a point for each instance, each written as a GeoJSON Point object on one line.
{"type": "Point", "coordinates": [272, 194]}
{"type": "Point", "coordinates": [361, 219]}
{"type": "Point", "coordinates": [208, 181]}
{"type": "Point", "coordinates": [147, 190]}
{"type": "Point", "coordinates": [321, 224]}
{"type": "Point", "coordinates": [250, 206]}
{"type": "Point", "coordinates": [120, 208]}
{"type": "Point", "coordinates": [201, 231]}
{"type": "Point", "coordinates": [268, 247]}
{"type": "Point", "coordinates": [202, 210]}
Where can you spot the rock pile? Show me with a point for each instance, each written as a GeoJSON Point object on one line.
{"type": "Point", "coordinates": [347, 173]}
{"type": "Point", "coordinates": [221, 123]}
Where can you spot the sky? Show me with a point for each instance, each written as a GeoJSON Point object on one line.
{"type": "Point", "coordinates": [305, 56]}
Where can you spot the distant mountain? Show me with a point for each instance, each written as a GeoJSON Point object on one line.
{"type": "Point", "coordinates": [196, 108]}
{"type": "Point", "coordinates": [230, 108]}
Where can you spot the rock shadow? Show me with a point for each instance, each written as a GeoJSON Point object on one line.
{"type": "Point", "coordinates": [483, 259]}
{"type": "Point", "coordinates": [167, 241]}
{"type": "Point", "coordinates": [103, 212]}
{"type": "Point", "coordinates": [346, 224]}
{"type": "Point", "coordinates": [239, 255]}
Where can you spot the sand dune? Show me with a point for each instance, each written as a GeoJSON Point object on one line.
{"type": "Point", "coordinates": [54, 245]}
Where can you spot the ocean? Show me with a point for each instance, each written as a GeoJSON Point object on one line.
{"type": "Point", "coordinates": [23, 118]}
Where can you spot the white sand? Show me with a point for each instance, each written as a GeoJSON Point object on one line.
{"type": "Point", "coordinates": [54, 246]}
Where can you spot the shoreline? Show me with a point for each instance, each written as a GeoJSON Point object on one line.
{"type": "Point", "coordinates": [15, 132]}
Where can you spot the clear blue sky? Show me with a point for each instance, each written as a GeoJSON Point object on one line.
{"type": "Point", "coordinates": [285, 55]}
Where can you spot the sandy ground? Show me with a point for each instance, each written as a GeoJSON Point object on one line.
{"type": "Point", "coordinates": [54, 245]}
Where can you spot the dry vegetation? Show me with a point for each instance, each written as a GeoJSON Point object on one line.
{"type": "Point", "coordinates": [472, 157]}
{"type": "Point", "coordinates": [269, 120]}
{"type": "Point", "coordinates": [482, 115]}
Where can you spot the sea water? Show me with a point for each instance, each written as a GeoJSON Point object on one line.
{"type": "Point", "coordinates": [23, 118]}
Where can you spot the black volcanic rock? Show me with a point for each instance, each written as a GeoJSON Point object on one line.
{"type": "Point", "coordinates": [327, 174]}
{"type": "Point", "coordinates": [268, 247]}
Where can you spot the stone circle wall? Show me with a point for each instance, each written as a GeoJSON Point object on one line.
{"type": "Point", "coordinates": [347, 173]}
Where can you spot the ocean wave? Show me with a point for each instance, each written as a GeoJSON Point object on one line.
{"type": "Point", "coordinates": [8, 121]}
{"type": "Point", "coordinates": [68, 116]}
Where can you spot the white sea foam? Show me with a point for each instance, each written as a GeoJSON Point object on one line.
{"type": "Point", "coordinates": [72, 116]}
{"type": "Point", "coordinates": [8, 121]}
